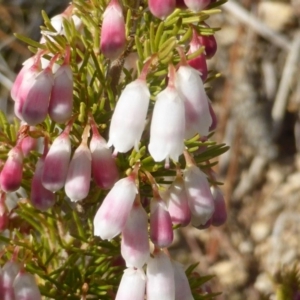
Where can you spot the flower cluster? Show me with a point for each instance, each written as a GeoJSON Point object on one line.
{"type": "Point", "coordinates": [17, 284]}
{"type": "Point", "coordinates": [143, 122]}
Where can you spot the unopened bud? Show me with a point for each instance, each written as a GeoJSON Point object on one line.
{"type": "Point", "coordinates": [161, 9]}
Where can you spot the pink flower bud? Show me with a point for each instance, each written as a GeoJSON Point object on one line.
{"type": "Point", "coordinates": [112, 215]}
{"type": "Point", "coordinates": [78, 179]}
{"type": "Point", "coordinates": [182, 286]}
{"type": "Point", "coordinates": [40, 197]}
{"type": "Point", "coordinates": [128, 120]}
{"type": "Point", "coordinates": [61, 99]}
{"type": "Point", "coordinates": [197, 5]}
{"type": "Point", "coordinates": [12, 172]}
{"type": "Point", "coordinates": [135, 244]}
{"type": "Point", "coordinates": [178, 206]}
{"type": "Point", "coordinates": [199, 195]}
{"type": "Point", "coordinates": [209, 42]}
{"type": "Point", "coordinates": [161, 231]}
{"type": "Point", "coordinates": [7, 277]}
{"type": "Point", "coordinates": [160, 278]}
{"type": "Point", "coordinates": [220, 214]}
{"type": "Point", "coordinates": [36, 104]}
{"type": "Point", "coordinates": [113, 38]}
{"type": "Point", "coordinates": [132, 286]}
{"type": "Point", "coordinates": [104, 168]}
{"type": "Point", "coordinates": [167, 129]}
{"type": "Point", "coordinates": [197, 116]}
{"type": "Point", "coordinates": [199, 62]}
{"type": "Point", "coordinates": [161, 9]}
{"type": "Point", "coordinates": [3, 213]}
{"type": "Point", "coordinates": [25, 287]}
{"type": "Point", "coordinates": [57, 163]}
{"type": "Point", "coordinates": [20, 77]}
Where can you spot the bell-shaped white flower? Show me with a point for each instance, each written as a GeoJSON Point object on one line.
{"type": "Point", "coordinates": [182, 286]}
{"type": "Point", "coordinates": [199, 195]}
{"type": "Point", "coordinates": [132, 286]}
{"type": "Point", "coordinates": [135, 243]}
{"type": "Point", "coordinates": [167, 126]}
{"type": "Point", "coordinates": [7, 277]}
{"type": "Point", "coordinates": [197, 115]}
{"type": "Point", "coordinates": [112, 215]}
{"type": "Point", "coordinates": [128, 120]}
{"type": "Point", "coordinates": [160, 278]}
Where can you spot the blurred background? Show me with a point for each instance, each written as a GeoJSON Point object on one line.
{"type": "Point", "coordinates": [257, 100]}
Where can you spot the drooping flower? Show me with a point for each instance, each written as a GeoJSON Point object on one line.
{"type": "Point", "coordinates": [56, 163]}
{"type": "Point", "coordinates": [78, 179]}
{"type": "Point", "coordinates": [40, 197]}
{"type": "Point", "coordinates": [61, 99]}
{"type": "Point", "coordinates": [161, 231]}
{"type": "Point", "coordinates": [220, 214]}
{"type": "Point", "coordinates": [161, 9]}
{"type": "Point", "coordinates": [12, 172]}
{"type": "Point", "coordinates": [135, 244]}
{"type": "Point", "coordinates": [182, 286]}
{"type": "Point", "coordinates": [113, 38]}
{"type": "Point", "coordinates": [7, 277]}
{"type": "Point", "coordinates": [113, 213]}
{"type": "Point", "coordinates": [209, 42]}
{"type": "Point", "coordinates": [167, 130]}
{"type": "Point", "coordinates": [104, 168]}
{"type": "Point", "coordinates": [178, 206]}
{"type": "Point", "coordinates": [200, 199]}
{"type": "Point", "coordinates": [160, 278]}
{"type": "Point", "coordinates": [128, 120]}
{"type": "Point", "coordinates": [132, 285]}
{"type": "Point", "coordinates": [197, 115]}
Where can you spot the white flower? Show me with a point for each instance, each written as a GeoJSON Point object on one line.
{"type": "Point", "coordinates": [197, 114]}
{"type": "Point", "coordinates": [167, 127]}
{"type": "Point", "coordinates": [128, 120]}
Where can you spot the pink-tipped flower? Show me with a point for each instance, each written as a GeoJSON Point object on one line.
{"type": "Point", "coordinates": [20, 77]}
{"type": "Point", "coordinates": [161, 231]}
{"type": "Point", "coordinates": [135, 244]}
{"type": "Point", "coordinates": [36, 103]}
{"type": "Point", "coordinates": [182, 286]}
{"type": "Point", "coordinates": [61, 99]}
{"type": "Point", "coordinates": [12, 172]}
{"type": "Point", "coordinates": [197, 115]}
{"type": "Point", "coordinates": [3, 213]}
{"type": "Point", "coordinates": [160, 278]}
{"type": "Point", "coordinates": [57, 163]}
{"type": "Point", "coordinates": [199, 62]}
{"type": "Point", "coordinates": [7, 277]}
{"type": "Point", "coordinates": [167, 130]}
{"type": "Point", "coordinates": [113, 38]}
{"type": "Point", "coordinates": [40, 197]}
{"type": "Point", "coordinates": [220, 214]}
{"type": "Point", "coordinates": [104, 168]}
{"type": "Point", "coordinates": [78, 178]}
{"type": "Point", "coordinates": [161, 9]}
{"type": "Point", "coordinates": [25, 287]}
{"type": "Point", "coordinates": [178, 205]}
{"type": "Point", "coordinates": [113, 213]}
{"type": "Point", "coordinates": [132, 285]}
{"type": "Point", "coordinates": [199, 195]}
{"type": "Point", "coordinates": [128, 120]}
{"type": "Point", "coordinates": [197, 5]}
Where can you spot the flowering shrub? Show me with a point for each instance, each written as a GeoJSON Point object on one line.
{"type": "Point", "coordinates": [111, 75]}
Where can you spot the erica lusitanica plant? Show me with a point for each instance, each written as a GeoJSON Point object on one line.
{"type": "Point", "coordinates": [109, 153]}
